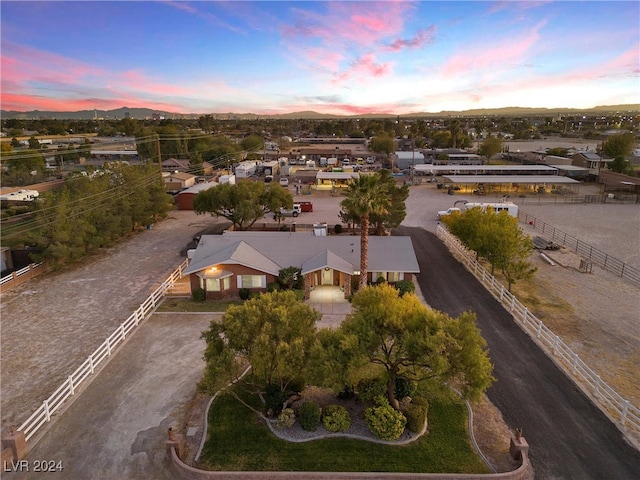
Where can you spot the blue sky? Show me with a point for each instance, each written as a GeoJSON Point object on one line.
{"type": "Point", "coordinates": [345, 58]}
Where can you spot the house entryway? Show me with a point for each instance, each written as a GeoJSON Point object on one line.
{"type": "Point", "coordinates": [329, 301]}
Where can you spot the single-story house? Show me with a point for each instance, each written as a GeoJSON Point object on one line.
{"type": "Point", "coordinates": [178, 181]}
{"type": "Point", "coordinates": [184, 199]}
{"type": "Point", "coordinates": [590, 160]}
{"type": "Point", "coordinates": [184, 166]}
{"type": "Point", "coordinates": [224, 264]}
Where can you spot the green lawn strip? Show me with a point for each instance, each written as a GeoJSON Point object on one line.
{"type": "Point", "coordinates": [188, 305]}
{"type": "Point", "coordinates": [238, 440]}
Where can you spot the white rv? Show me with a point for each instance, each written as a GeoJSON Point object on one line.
{"type": "Point", "coordinates": [510, 208]}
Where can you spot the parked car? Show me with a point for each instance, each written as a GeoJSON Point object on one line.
{"type": "Point", "coordinates": [448, 211]}
{"type": "Point", "coordinates": [284, 181]}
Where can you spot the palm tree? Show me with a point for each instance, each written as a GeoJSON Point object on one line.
{"type": "Point", "coordinates": [366, 195]}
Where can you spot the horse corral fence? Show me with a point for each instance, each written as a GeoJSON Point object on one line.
{"type": "Point", "coordinates": [593, 255]}
{"type": "Point", "coordinates": [624, 415]}
{"type": "Point", "coordinates": [69, 387]}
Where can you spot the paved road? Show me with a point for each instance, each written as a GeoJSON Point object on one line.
{"type": "Point", "coordinates": [569, 437]}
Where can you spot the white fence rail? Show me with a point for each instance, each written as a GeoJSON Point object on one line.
{"type": "Point", "coordinates": [625, 415]}
{"type": "Point", "coordinates": [68, 388]}
{"type": "Point", "coordinates": [19, 273]}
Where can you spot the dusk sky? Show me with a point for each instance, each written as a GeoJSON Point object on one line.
{"type": "Point", "coordinates": [344, 58]}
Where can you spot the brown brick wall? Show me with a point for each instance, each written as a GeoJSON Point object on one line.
{"type": "Point", "coordinates": [233, 291]}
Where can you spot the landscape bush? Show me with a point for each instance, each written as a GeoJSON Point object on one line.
{"type": "Point", "coordinates": [287, 418]}
{"type": "Point", "coordinates": [273, 286]}
{"type": "Point", "coordinates": [274, 399]}
{"type": "Point", "coordinates": [405, 388]}
{"type": "Point", "coordinates": [405, 286]}
{"type": "Point", "coordinates": [370, 388]}
{"type": "Point", "coordinates": [198, 294]}
{"type": "Point", "coordinates": [337, 229]}
{"type": "Point", "coordinates": [336, 418]}
{"type": "Point", "coordinates": [416, 414]}
{"type": "Point", "coordinates": [309, 416]}
{"type": "Point", "coordinates": [385, 422]}
{"type": "Point", "coordinates": [243, 293]}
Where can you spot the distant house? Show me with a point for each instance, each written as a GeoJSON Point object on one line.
{"type": "Point", "coordinates": [590, 160]}
{"type": "Point", "coordinates": [183, 165]}
{"type": "Point", "coordinates": [184, 200]}
{"type": "Point", "coordinates": [224, 264]}
{"type": "Point", "coordinates": [176, 182]}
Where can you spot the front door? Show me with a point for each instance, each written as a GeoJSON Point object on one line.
{"type": "Point", "coordinates": [327, 277]}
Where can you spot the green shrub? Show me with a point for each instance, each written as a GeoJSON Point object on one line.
{"type": "Point", "coordinates": [273, 286]}
{"type": "Point", "coordinates": [244, 293]}
{"type": "Point", "coordinates": [346, 393]}
{"type": "Point", "coordinates": [336, 418]}
{"type": "Point", "coordinates": [337, 229]}
{"type": "Point", "coordinates": [405, 388]}
{"type": "Point", "coordinates": [416, 415]}
{"type": "Point", "coordinates": [370, 388]}
{"type": "Point", "coordinates": [355, 283]}
{"type": "Point", "coordinates": [381, 280]}
{"type": "Point", "coordinates": [309, 416]}
{"type": "Point", "coordinates": [198, 294]}
{"type": "Point", "coordinates": [274, 399]}
{"type": "Point", "coordinates": [385, 422]}
{"type": "Point", "coordinates": [405, 286]}
{"type": "Point", "coordinates": [286, 418]}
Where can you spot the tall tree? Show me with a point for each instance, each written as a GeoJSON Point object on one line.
{"type": "Point", "coordinates": [243, 203]}
{"type": "Point", "coordinates": [397, 210]}
{"type": "Point", "coordinates": [620, 145]}
{"type": "Point", "coordinates": [404, 338]}
{"type": "Point", "coordinates": [366, 196]}
{"type": "Point", "coordinates": [383, 143]}
{"type": "Point", "coordinates": [490, 147]}
{"type": "Point", "coordinates": [273, 333]}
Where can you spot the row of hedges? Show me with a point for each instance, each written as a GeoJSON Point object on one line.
{"type": "Point", "coordinates": [382, 419]}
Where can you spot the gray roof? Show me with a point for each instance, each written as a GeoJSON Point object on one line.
{"type": "Point", "coordinates": [487, 168]}
{"type": "Point", "coordinates": [271, 251]}
{"type": "Point", "coordinates": [199, 187]}
{"type": "Point", "coordinates": [525, 179]}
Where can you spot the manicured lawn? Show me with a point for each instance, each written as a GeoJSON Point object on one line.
{"type": "Point", "coordinates": [171, 304]}
{"type": "Point", "coordinates": [239, 440]}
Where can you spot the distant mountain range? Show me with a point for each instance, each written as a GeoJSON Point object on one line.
{"type": "Point", "coordinates": [143, 113]}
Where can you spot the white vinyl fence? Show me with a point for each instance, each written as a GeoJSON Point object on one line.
{"type": "Point", "coordinates": [68, 388]}
{"type": "Point", "coordinates": [625, 415]}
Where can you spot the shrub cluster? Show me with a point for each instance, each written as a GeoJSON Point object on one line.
{"type": "Point", "coordinates": [286, 418]}
{"type": "Point", "coordinates": [198, 294]}
{"type": "Point", "coordinates": [309, 416]}
{"type": "Point", "coordinates": [416, 414]}
{"type": "Point", "coordinates": [243, 293]}
{"type": "Point", "coordinates": [404, 388]}
{"type": "Point", "coordinates": [385, 422]}
{"type": "Point", "coordinates": [336, 418]}
{"type": "Point", "coordinates": [405, 286]}
{"type": "Point", "coordinates": [370, 388]}
{"type": "Point", "coordinates": [273, 400]}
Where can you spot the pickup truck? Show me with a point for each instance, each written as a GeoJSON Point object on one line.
{"type": "Point", "coordinates": [294, 212]}
{"type": "Point", "coordinates": [448, 211]}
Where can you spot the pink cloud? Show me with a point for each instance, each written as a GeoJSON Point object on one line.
{"type": "Point", "coordinates": [349, 23]}
{"type": "Point", "coordinates": [363, 68]}
{"type": "Point", "coordinates": [22, 64]}
{"type": "Point", "coordinates": [423, 37]}
{"type": "Point", "coordinates": [483, 56]}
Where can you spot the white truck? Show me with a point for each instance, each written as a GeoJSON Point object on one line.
{"type": "Point", "coordinates": [294, 212]}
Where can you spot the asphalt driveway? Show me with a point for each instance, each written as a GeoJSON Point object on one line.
{"type": "Point", "coordinates": [569, 437]}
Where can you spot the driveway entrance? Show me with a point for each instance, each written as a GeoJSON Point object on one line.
{"type": "Point", "coordinates": [329, 301]}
